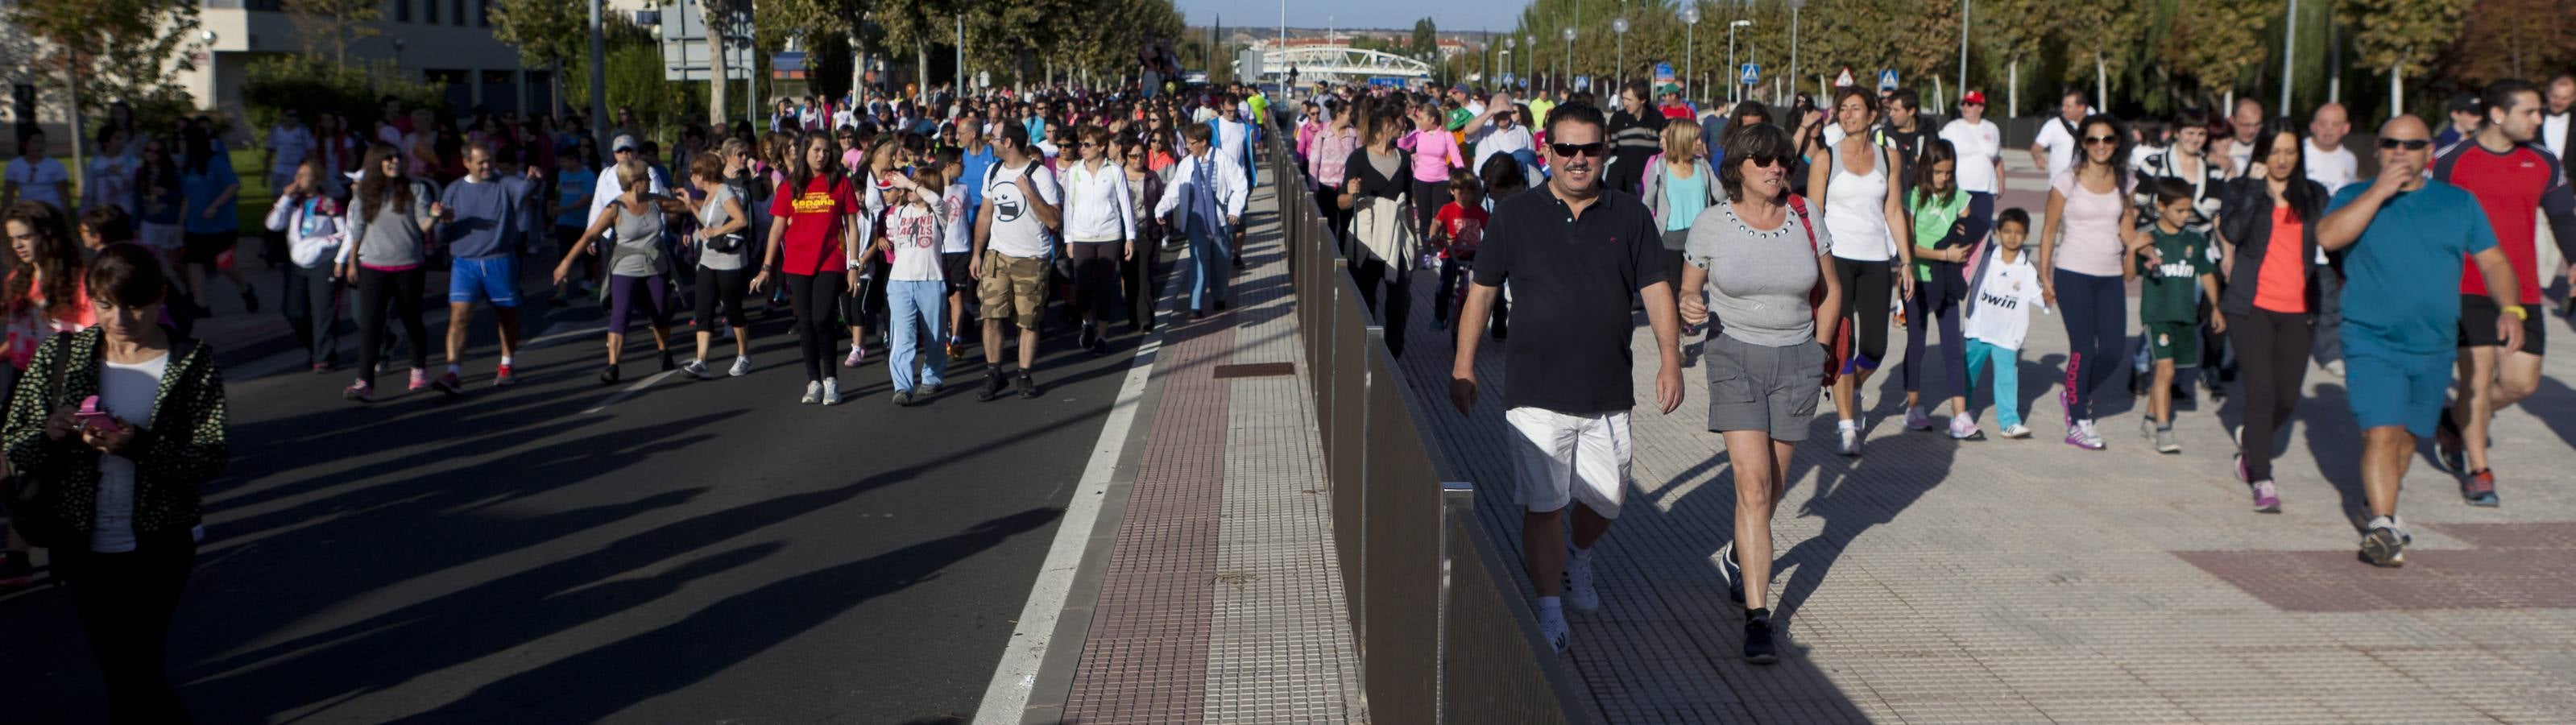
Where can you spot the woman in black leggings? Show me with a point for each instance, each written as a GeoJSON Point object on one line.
{"type": "Point", "coordinates": [814, 245]}
{"type": "Point", "coordinates": [1863, 215]}
{"type": "Point", "coordinates": [723, 241]}
{"type": "Point", "coordinates": [2271, 231]}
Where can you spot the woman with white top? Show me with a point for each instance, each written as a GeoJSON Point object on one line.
{"type": "Point", "coordinates": [109, 178]}
{"type": "Point", "coordinates": [311, 220]}
{"type": "Point", "coordinates": [2079, 251]}
{"type": "Point", "coordinates": [1863, 211]}
{"type": "Point", "coordinates": [1145, 188]}
{"type": "Point", "coordinates": [1099, 231]}
{"type": "Point", "coordinates": [125, 422]}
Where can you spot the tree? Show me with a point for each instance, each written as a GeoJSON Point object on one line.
{"type": "Point", "coordinates": [116, 50]}
{"type": "Point", "coordinates": [1426, 36]}
{"type": "Point", "coordinates": [2513, 39]}
{"type": "Point", "coordinates": [333, 24]}
{"type": "Point", "coordinates": [2401, 37]}
{"type": "Point", "coordinates": [1927, 42]}
{"type": "Point", "coordinates": [718, 17]}
{"type": "Point", "coordinates": [2213, 42]}
{"type": "Point", "coordinates": [2094, 33]}
{"type": "Point", "coordinates": [549, 33]}
{"type": "Point", "coordinates": [2014, 30]}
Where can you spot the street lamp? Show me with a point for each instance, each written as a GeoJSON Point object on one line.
{"type": "Point", "coordinates": [1529, 65]}
{"type": "Point", "coordinates": [1733, 87]}
{"type": "Point", "coordinates": [1690, 64]}
{"type": "Point", "coordinates": [1507, 53]}
{"type": "Point", "coordinates": [1561, 80]}
{"type": "Point", "coordinates": [1620, 74]}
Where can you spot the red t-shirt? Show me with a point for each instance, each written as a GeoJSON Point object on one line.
{"type": "Point", "coordinates": [2510, 186]}
{"type": "Point", "coordinates": [814, 218]}
{"type": "Point", "coordinates": [1465, 227]}
{"type": "Point", "coordinates": [1676, 112]}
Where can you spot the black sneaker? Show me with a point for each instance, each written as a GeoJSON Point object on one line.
{"type": "Point", "coordinates": [1099, 347]}
{"type": "Point", "coordinates": [15, 572]}
{"type": "Point", "coordinates": [1758, 647]}
{"type": "Point", "coordinates": [667, 364]}
{"type": "Point", "coordinates": [250, 300]}
{"type": "Point", "coordinates": [1083, 338]}
{"type": "Point", "coordinates": [993, 384]}
{"type": "Point", "coordinates": [1730, 571]}
{"type": "Point", "coordinates": [1028, 385]}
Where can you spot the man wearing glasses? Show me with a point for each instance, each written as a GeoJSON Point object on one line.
{"type": "Point", "coordinates": [2404, 238]}
{"type": "Point", "coordinates": [2516, 180]}
{"type": "Point", "coordinates": [1573, 255]}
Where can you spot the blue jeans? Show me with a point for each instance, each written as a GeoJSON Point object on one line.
{"type": "Point", "coordinates": [924, 300]}
{"type": "Point", "coordinates": [1210, 263]}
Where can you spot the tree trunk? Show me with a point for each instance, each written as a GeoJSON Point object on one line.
{"type": "Point", "coordinates": [2012, 88]}
{"type": "Point", "coordinates": [2101, 81]}
{"type": "Point", "coordinates": [711, 13]}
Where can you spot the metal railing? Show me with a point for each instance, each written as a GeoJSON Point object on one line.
{"type": "Point", "coordinates": [1443, 631]}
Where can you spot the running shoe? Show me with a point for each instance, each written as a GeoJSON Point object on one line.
{"type": "Point", "coordinates": [250, 300]}
{"type": "Point", "coordinates": [2479, 488]}
{"type": "Point", "coordinates": [2167, 443]}
{"type": "Point", "coordinates": [1964, 428]}
{"type": "Point", "coordinates": [2083, 436]}
{"type": "Point", "coordinates": [1027, 384]}
{"type": "Point", "coordinates": [608, 375]}
{"type": "Point", "coordinates": [1850, 445]}
{"type": "Point", "coordinates": [698, 369]}
{"type": "Point", "coordinates": [321, 368]}
{"type": "Point", "coordinates": [1758, 647]}
{"type": "Point", "coordinates": [1916, 419]}
{"type": "Point", "coordinates": [2242, 474]}
{"type": "Point", "coordinates": [419, 380]}
{"type": "Point", "coordinates": [1728, 570]}
{"type": "Point", "coordinates": [2383, 546]}
{"type": "Point", "coordinates": [667, 363]}
{"type": "Point", "coordinates": [993, 385]}
{"type": "Point", "coordinates": [741, 366]}
{"type": "Point", "coordinates": [903, 398]}
{"type": "Point", "coordinates": [831, 391]}
{"type": "Point", "coordinates": [813, 393]}
{"type": "Point", "coordinates": [858, 356]}
{"type": "Point", "coordinates": [2449, 453]}
{"type": "Point", "coordinates": [1083, 337]}
{"type": "Point", "coordinates": [1579, 592]}
{"type": "Point", "coordinates": [2267, 497]}
{"type": "Point", "coordinates": [2016, 430]}
{"type": "Point", "coordinates": [502, 377]}
{"type": "Point", "coordinates": [360, 391]}
{"type": "Point", "coordinates": [2147, 427]}
{"type": "Point", "coordinates": [1551, 625]}
{"type": "Point", "coordinates": [448, 383]}
{"type": "Point", "coordinates": [15, 571]}
{"type": "Point", "coordinates": [1099, 346]}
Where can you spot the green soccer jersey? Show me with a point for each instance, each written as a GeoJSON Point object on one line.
{"type": "Point", "coordinates": [2170, 292]}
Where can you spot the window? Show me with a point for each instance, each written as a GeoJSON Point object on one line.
{"type": "Point", "coordinates": [402, 11]}
{"type": "Point", "coordinates": [459, 7]}
{"type": "Point", "coordinates": [486, 19]}
{"type": "Point", "coordinates": [429, 11]}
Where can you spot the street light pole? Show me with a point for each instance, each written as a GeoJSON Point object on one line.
{"type": "Point", "coordinates": [1619, 75]}
{"type": "Point", "coordinates": [2289, 49]}
{"type": "Point", "coordinates": [1569, 56]}
{"type": "Point", "coordinates": [1734, 88]}
{"type": "Point", "coordinates": [1690, 62]}
{"type": "Point", "coordinates": [1964, 7]}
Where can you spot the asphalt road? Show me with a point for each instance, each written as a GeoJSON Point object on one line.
{"type": "Point", "coordinates": [692, 552]}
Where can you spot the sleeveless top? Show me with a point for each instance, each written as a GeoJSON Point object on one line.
{"type": "Point", "coordinates": [638, 252]}
{"type": "Point", "coordinates": [1856, 211]}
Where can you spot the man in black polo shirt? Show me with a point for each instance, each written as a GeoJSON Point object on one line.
{"type": "Point", "coordinates": [1574, 255]}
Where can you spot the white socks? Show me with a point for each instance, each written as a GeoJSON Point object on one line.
{"type": "Point", "coordinates": [1551, 607]}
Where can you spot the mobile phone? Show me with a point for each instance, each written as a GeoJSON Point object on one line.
{"type": "Point", "coordinates": [91, 416]}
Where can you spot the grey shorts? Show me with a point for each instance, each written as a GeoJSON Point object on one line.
{"type": "Point", "coordinates": [1771, 389]}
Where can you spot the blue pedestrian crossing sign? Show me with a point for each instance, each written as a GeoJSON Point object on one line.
{"type": "Point", "coordinates": [1752, 74]}
{"type": "Point", "coordinates": [1887, 80]}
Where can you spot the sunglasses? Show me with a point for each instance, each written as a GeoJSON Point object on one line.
{"type": "Point", "coordinates": [2100, 140]}
{"type": "Point", "coordinates": [2411, 144]}
{"type": "Point", "coordinates": [1764, 162]}
{"type": "Point", "coordinates": [1595, 149]}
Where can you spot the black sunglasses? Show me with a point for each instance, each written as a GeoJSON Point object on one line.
{"type": "Point", "coordinates": [2411, 144]}
{"type": "Point", "coordinates": [1595, 149]}
{"type": "Point", "coordinates": [2089, 140]}
{"type": "Point", "coordinates": [1765, 162]}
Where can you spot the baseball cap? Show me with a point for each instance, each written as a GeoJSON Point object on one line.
{"type": "Point", "coordinates": [1668, 88]}
{"type": "Point", "coordinates": [621, 143]}
{"type": "Point", "coordinates": [1976, 97]}
{"type": "Point", "coordinates": [2464, 102]}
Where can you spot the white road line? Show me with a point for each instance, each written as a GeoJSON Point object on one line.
{"type": "Point", "coordinates": [559, 332]}
{"type": "Point", "coordinates": [630, 390]}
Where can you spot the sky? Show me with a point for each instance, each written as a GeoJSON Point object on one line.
{"type": "Point", "coordinates": [1448, 14]}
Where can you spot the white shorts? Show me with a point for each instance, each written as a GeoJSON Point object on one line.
{"type": "Point", "coordinates": [1561, 456]}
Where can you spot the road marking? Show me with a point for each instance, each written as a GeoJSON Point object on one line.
{"type": "Point", "coordinates": [286, 360]}
{"type": "Point", "coordinates": [630, 390]}
{"type": "Point", "coordinates": [559, 332]}
{"type": "Point", "coordinates": [1016, 676]}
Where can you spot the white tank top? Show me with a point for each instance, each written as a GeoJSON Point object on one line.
{"type": "Point", "coordinates": [1856, 211]}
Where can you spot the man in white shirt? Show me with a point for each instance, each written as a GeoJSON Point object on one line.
{"type": "Point", "coordinates": [33, 176]}
{"type": "Point", "coordinates": [2055, 148]}
{"type": "Point", "coordinates": [2329, 163]}
{"type": "Point", "coordinates": [1980, 160]}
{"type": "Point", "coordinates": [1013, 236]}
{"type": "Point", "coordinates": [2556, 132]}
{"type": "Point", "coordinates": [2248, 122]}
{"type": "Point", "coordinates": [1214, 190]}
{"type": "Point", "coordinates": [288, 143]}
{"type": "Point", "coordinates": [1234, 137]}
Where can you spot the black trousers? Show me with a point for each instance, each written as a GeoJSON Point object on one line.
{"type": "Point", "coordinates": [814, 297]}
{"type": "Point", "coordinates": [399, 291]}
{"type": "Point", "coordinates": [722, 289]}
{"type": "Point", "coordinates": [2271, 372]}
{"type": "Point", "coordinates": [125, 601]}
{"type": "Point", "coordinates": [1398, 276]}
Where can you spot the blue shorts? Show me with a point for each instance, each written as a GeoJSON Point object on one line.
{"type": "Point", "coordinates": [474, 279]}
{"type": "Point", "coordinates": [2394, 389]}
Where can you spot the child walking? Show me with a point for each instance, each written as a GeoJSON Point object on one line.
{"type": "Point", "coordinates": [2000, 294]}
{"type": "Point", "coordinates": [1455, 232]}
{"type": "Point", "coordinates": [2173, 267]}
{"type": "Point", "coordinates": [916, 283]}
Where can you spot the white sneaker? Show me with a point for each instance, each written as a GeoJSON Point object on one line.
{"type": "Point", "coordinates": [1916, 419]}
{"type": "Point", "coordinates": [831, 391]}
{"type": "Point", "coordinates": [1551, 625]}
{"type": "Point", "coordinates": [741, 366]}
{"type": "Point", "coordinates": [1850, 439]}
{"type": "Point", "coordinates": [813, 393]}
{"type": "Point", "coordinates": [1579, 592]}
{"type": "Point", "coordinates": [2017, 430]}
{"type": "Point", "coordinates": [698, 369]}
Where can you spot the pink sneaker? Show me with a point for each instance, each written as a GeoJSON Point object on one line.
{"type": "Point", "coordinates": [858, 356]}
{"type": "Point", "coordinates": [419, 380]}
{"type": "Point", "coordinates": [360, 392]}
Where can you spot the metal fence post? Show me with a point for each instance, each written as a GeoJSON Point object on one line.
{"type": "Point", "coordinates": [1375, 336]}
{"type": "Point", "coordinates": [1457, 498]}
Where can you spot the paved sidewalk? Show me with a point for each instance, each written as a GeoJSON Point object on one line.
{"type": "Point", "coordinates": [2031, 581]}
{"type": "Point", "coordinates": [1219, 599]}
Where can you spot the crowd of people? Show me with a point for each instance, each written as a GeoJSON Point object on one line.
{"type": "Point", "coordinates": [1781, 252]}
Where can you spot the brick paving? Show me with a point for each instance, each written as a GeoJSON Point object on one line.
{"type": "Point", "coordinates": [2030, 581]}
{"type": "Point", "coordinates": [1222, 601]}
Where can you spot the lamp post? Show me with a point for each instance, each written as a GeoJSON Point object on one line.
{"type": "Point", "coordinates": [1529, 65]}
{"type": "Point", "coordinates": [1562, 80]}
{"type": "Point", "coordinates": [1690, 16]}
{"type": "Point", "coordinates": [1732, 87]}
{"type": "Point", "coordinates": [1620, 74]}
{"type": "Point", "coordinates": [1507, 53]}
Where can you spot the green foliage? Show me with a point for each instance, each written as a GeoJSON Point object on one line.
{"type": "Point", "coordinates": [314, 84]}
{"type": "Point", "coordinates": [546, 31]}
{"type": "Point", "coordinates": [635, 81]}
{"type": "Point", "coordinates": [116, 50]}
{"type": "Point", "coordinates": [1426, 36]}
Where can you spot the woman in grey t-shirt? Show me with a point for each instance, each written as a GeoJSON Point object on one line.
{"type": "Point", "coordinates": [723, 274]}
{"type": "Point", "coordinates": [1758, 259]}
{"type": "Point", "coordinates": [639, 272]}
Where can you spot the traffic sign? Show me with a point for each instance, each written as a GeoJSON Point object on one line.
{"type": "Point", "coordinates": [1663, 73]}
{"type": "Point", "coordinates": [1887, 80]}
{"type": "Point", "coordinates": [1752, 74]}
{"type": "Point", "coordinates": [1845, 79]}
{"type": "Point", "coordinates": [684, 44]}
{"type": "Point", "coordinates": [1583, 83]}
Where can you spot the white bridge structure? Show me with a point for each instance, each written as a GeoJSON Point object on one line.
{"type": "Point", "coordinates": [1335, 63]}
